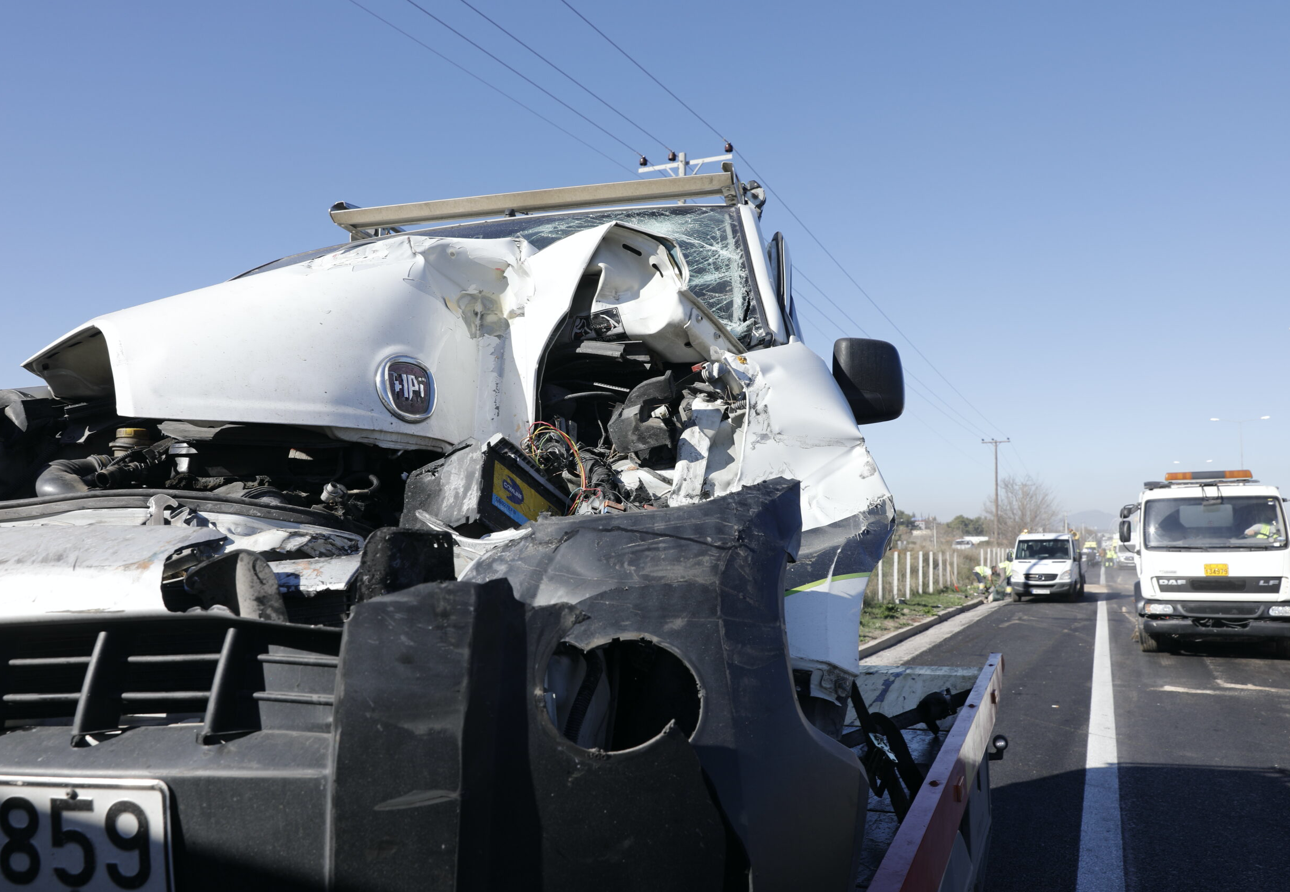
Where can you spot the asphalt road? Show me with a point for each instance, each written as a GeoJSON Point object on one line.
{"type": "Point", "coordinates": [1200, 753]}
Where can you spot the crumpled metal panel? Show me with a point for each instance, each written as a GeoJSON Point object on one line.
{"type": "Point", "coordinates": [304, 344]}
{"type": "Point", "coordinates": [107, 569]}
{"type": "Point", "coordinates": [706, 582]}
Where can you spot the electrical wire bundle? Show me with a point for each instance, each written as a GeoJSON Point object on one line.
{"type": "Point", "coordinates": [556, 454]}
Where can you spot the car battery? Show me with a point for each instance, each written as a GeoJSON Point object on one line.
{"type": "Point", "coordinates": [482, 488]}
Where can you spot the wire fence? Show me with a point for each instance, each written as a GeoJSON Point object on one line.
{"type": "Point", "coordinates": [905, 572]}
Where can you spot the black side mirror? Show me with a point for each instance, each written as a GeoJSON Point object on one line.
{"type": "Point", "coordinates": [1126, 531]}
{"type": "Point", "coordinates": [871, 378]}
{"type": "Point", "coordinates": [1127, 510]}
{"type": "Point", "coordinates": [1010, 557]}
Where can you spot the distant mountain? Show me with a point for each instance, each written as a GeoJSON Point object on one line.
{"type": "Point", "coordinates": [1098, 520]}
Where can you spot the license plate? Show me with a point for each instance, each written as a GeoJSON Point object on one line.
{"type": "Point", "coordinates": [87, 834]}
{"type": "Point", "coordinates": [1040, 591]}
{"type": "Point", "coordinates": [1216, 569]}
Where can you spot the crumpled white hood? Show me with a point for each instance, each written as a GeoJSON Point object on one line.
{"type": "Point", "coordinates": [303, 345]}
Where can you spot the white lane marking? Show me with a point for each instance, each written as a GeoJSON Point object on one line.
{"type": "Point", "coordinates": [899, 654]}
{"type": "Point", "coordinates": [1101, 848]}
{"type": "Point", "coordinates": [1230, 689]}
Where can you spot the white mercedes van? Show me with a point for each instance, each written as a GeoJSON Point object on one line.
{"type": "Point", "coordinates": [1046, 564]}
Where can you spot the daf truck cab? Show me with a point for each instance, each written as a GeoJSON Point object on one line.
{"type": "Point", "coordinates": [1212, 559]}
{"type": "Point", "coordinates": [1046, 564]}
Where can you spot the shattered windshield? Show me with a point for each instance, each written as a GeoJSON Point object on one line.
{"type": "Point", "coordinates": [1233, 522]}
{"type": "Point", "coordinates": [708, 236]}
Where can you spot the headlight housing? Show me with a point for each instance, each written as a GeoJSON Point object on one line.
{"type": "Point", "coordinates": [1279, 610]}
{"type": "Point", "coordinates": [1066, 574]}
{"type": "Point", "coordinates": [1159, 608]}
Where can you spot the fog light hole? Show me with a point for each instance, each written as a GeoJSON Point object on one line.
{"type": "Point", "coordinates": [619, 695]}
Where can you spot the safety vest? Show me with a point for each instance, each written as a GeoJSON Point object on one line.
{"type": "Point", "coordinates": [982, 570]}
{"type": "Point", "coordinates": [1005, 569]}
{"type": "Point", "coordinates": [1265, 531]}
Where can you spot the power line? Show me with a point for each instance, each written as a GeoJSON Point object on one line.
{"type": "Point", "coordinates": [647, 74]}
{"type": "Point", "coordinates": [1017, 452]}
{"type": "Point", "coordinates": [860, 288]}
{"type": "Point", "coordinates": [976, 429]}
{"type": "Point", "coordinates": [534, 83]}
{"type": "Point", "coordinates": [579, 83]}
{"type": "Point", "coordinates": [918, 390]}
{"type": "Point", "coordinates": [907, 411]}
{"type": "Point", "coordinates": [791, 212]}
{"type": "Point", "coordinates": [490, 86]}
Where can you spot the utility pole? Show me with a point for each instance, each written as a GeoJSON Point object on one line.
{"type": "Point", "coordinates": [995, 444]}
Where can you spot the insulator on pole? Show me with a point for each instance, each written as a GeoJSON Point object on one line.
{"type": "Point", "coordinates": [671, 156]}
{"type": "Point", "coordinates": [729, 147]}
{"type": "Point", "coordinates": [644, 161]}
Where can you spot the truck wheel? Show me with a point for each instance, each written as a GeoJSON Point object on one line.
{"type": "Point", "coordinates": [1150, 643]}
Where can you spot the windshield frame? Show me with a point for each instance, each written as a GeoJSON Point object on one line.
{"type": "Point", "coordinates": [1069, 556]}
{"type": "Point", "coordinates": [1150, 524]}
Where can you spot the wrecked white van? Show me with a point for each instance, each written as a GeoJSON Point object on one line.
{"type": "Point", "coordinates": [554, 504]}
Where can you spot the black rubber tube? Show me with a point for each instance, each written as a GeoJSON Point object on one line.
{"type": "Point", "coordinates": [68, 475]}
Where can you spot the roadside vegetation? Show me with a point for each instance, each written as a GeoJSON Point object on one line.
{"type": "Point", "coordinates": [882, 617]}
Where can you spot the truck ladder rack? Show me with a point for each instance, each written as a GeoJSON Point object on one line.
{"type": "Point", "coordinates": [366, 222]}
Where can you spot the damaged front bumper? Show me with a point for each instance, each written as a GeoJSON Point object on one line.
{"type": "Point", "coordinates": [417, 748]}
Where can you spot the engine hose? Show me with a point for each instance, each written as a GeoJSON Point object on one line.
{"type": "Point", "coordinates": [582, 702]}
{"type": "Point", "coordinates": [373, 484]}
{"type": "Point", "coordinates": [68, 475]}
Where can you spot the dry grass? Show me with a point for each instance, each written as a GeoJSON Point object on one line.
{"type": "Point", "coordinates": [880, 618]}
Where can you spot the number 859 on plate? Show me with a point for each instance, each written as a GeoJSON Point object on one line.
{"type": "Point", "coordinates": [82, 833]}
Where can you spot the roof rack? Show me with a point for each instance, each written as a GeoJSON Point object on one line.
{"type": "Point", "coordinates": [364, 223]}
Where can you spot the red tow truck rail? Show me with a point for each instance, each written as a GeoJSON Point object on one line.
{"type": "Point", "coordinates": [929, 851]}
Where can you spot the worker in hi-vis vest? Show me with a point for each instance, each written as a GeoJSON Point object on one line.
{"type": "Point", "coordinates": [982, 574]}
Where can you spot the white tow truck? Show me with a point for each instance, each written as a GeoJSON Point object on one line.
{"type": "Point", "coordinates": [1212, 559]}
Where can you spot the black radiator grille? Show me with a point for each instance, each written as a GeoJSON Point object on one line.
{"type": "Point", "coordinates": [1218, 584]}
{"type": "Point", "coordinates": [231, 675]}
{"type": "Point", "coordinates": [1041, 577]}
{"type": "Point", "coordinates": [1202, 608]}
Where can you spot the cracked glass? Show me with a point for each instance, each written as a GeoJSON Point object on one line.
{"type": "Point", "coordinates": [708, 237]}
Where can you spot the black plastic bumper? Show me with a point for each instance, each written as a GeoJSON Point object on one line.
{"type": "Point", "coordinates": [1049, 588]}
{"type": "Point", "coordinates": [1266, 628]}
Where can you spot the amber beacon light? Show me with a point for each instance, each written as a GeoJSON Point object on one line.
{"type": "Point", "coordinates": [1209, 475]}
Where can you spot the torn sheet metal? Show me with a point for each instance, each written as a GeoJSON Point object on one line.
{"type": "Point", "coordinates": [316, 543]}
{"type": "Point", "coordinates": [784, 417]}
{"type": "Point", "coordinates": [60, 569]}
{"type": "Point", "coordinates": [309, 576]}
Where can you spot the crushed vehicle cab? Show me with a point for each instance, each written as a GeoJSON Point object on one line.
{"type": "Point", "coordinates": [1046, 564]}
{"type": "Point", "coordinates": [462, 557]}
{"type": "Point", "coordinates": [1213, 561]}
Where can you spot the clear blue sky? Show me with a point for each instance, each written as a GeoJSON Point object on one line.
{"type": "Point", "coordinates": [1079, 211]}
